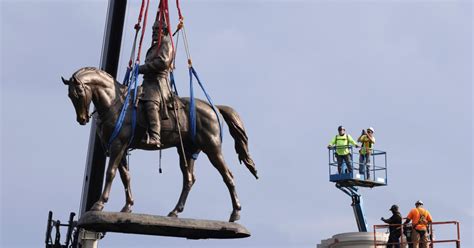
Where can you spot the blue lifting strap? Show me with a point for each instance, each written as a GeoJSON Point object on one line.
{"type": "Point", "coordinates": [123, 112]}
{"type": "Point", "coordinates": [173, 83]}
{"type": "Point", "coordinates": [192, 109]}
{"type": "Point", "coordinates": [131, 79]}
{"type": "Point", "coordinates": [134, 102]}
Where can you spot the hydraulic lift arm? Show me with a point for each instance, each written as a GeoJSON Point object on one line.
{"type": "Point", "coordinates": [357, 205]}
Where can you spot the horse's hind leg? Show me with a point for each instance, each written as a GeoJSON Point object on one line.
{"type": "Point", "coordinates": [188, 181]}
{"type": "Point", "coordinates": [125, 176]}
{"type": "Point", "coordinates": [217, 159]}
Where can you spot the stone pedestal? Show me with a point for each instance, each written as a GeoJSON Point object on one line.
{"type": "Point", "coordinates": [161, 226]}
{"type": "Point", "coordinates": [354, 240]}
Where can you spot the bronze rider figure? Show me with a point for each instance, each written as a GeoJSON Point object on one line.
{"type": "Point", "coordinates": [156, 90]}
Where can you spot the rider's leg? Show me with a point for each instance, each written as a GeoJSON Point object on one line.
{"type": "Point", "coordinates": [152, 111]}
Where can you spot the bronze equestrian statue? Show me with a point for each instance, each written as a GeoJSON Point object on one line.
{"type": "Point", "coordinates": [93, 85]}
{"type": "Point", "coordinates": [164, 130]}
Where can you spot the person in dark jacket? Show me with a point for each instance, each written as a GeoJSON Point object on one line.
{"type": "Point", "coordinates": [395, 227]}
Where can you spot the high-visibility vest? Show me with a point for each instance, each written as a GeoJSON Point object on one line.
{"type": "Point", "coordinates": [366, 144]}
{"type": "Point", "coordinates": [341, 142]}
{"type": "Point", "coordinates": [422, 220]}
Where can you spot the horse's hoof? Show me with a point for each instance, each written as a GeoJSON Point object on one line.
{"type": "Point", "coordinates": [126, 209]}
{"type": "Point", "coordinates": [173, 215]}
{"type": "Point", "coordinates": [98, 206]}
{"type": "Point", "coordinates": [235, 216]}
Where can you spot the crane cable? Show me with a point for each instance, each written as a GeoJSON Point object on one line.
{"type": "Point", "coordinates": [131, 77]}
{"type": "Point", "coordinates": [193, 73]}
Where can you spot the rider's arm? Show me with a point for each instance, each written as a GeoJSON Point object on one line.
{"type": "Point", "coordinates": [161, 62]}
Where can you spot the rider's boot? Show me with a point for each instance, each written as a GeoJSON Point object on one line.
{"type": "Point", "coordinates": [154, 128]}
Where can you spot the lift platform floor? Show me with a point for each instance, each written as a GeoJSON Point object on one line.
{"type": "Point", "coordinates": [161, 226]}
{"type": "Point", "coordinates": [356, 180]}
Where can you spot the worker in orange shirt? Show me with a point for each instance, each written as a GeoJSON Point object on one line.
{"type": "Point", "coordinates": [420, 218]}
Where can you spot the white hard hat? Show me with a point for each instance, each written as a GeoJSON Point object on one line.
{"type": "Point", "coordinates": [371, 129]}
{"type": "Point", "coordinates": [419, 202]}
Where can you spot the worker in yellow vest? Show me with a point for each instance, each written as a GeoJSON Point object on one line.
{"type": "Point", "coordinates": [341, 142]}
{"type": "Point", "coordinates": [421, 219]}
{"type": "Point", "coordinates": [368, 140]}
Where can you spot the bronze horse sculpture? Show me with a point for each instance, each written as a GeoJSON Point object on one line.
{"type": "Point", "coordinates": [93, 85]}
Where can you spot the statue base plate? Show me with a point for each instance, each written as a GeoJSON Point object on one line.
{"type": "Point", "coordinates": [162, 226]}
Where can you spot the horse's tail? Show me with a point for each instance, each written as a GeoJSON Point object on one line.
{"type": "Point", "coordinates": [236, 128]}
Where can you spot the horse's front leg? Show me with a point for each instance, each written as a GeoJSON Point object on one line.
{"type": "Point", "coordinates": [125, 176]}
{"type": "Point", "coordinates": [116, 155]}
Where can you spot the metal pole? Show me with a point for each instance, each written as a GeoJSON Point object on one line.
{"type": "Point", "coordinates": [96, 158]}
{"type": "Point", "coordinates": [375, 237]}
{"type": "Point", "coordinates": [458, 241]}
{"type": "Point", "coordinates": [386, 168]}
{"type": "Point", "coordinates": [95, 163]}
{"type": "Point", "coordinates": [329, 156]}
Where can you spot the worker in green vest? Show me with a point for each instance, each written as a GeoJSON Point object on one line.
{"type": "Point", "coordinates": [341, 142]}
{"type": "Point", "coordinates": [368, 140]}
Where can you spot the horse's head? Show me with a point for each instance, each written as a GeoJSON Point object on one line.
{"type": "Point", "coordinates": [81, 98]}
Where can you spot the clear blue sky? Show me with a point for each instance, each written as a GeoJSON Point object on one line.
{"type": "Point", "coordinates": [294, 70]}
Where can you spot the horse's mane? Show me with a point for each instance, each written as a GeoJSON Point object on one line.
{"type": "Point", "coordinates": [122, 89]}
{"type": "Point", "coordinates": [100, 72]}
{"type": "Point", "coordinates": [92, 69]}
